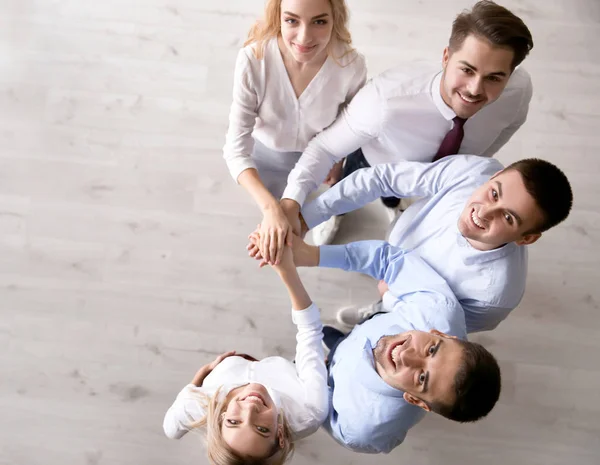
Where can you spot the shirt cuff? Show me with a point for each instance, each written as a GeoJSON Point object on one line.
{"type": "Point", "coordinates": [309, 315]}
{"type": "Point", "coordinates": [312, 215]}
{"type": "Point", "coordinates": [332, 256]}
{"type": "Point", "coordinates": [239, 166]}
{"type": "Point", "coordinates": [295, 193]}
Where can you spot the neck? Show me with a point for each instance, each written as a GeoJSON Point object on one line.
{"type": "Point", "coordinates": [482, 246]}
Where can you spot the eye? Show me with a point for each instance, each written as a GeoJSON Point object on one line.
{"type": "Point", "coordinates": [493, 78]}
{"type": "Point", "coordinates": [508, 218]}
{"type": "Point", "coordinates": [431, 350]}
{"type": "Point", "coordinates": [262, 429]}
{"type": "Point", "coordinates": [494, 194]}
{"type": "Point", "coordinates": [320, 22]}
{"type": "Point", "coordinates": [467, 70]}
{"type": "Point", "coordinates": [233, 422]}
{"type": "Point", "coordinates": [421, 378]}
{"type": "Point", "coordinates": [290, 20]}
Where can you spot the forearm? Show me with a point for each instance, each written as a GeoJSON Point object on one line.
{"type": "Point", "coordinates": [200, 375]}
{"type": "Point", "coordinates": [298, 295]}
{"type": "Point", "coordinates": [251, 181]}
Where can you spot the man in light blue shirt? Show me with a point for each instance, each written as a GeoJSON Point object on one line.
{"type": "Point", "coordinates": [396, 366]}
{"type": "Point", "coordinates": [472, 226]}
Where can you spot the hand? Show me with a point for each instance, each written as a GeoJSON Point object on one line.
{"type": "Point", "coordinates": [291, 209]}
{"type": "Point", "coordinates": [254, 249]}
{"type": "Point", "coordinates": [275, 232]}
{"type": "Point", "coordinates": [212, 365]}
{"type": "Point", "coordinates": [335, 174]}
{"type": "Point", "coordinates": [382, 287]}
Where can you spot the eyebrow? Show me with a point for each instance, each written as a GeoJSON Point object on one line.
{"type": "Point", "coordinates": [495, 73]}
{"type": "Point", "coordinates": [517, 217]}
{"type": "Point", "coordinates": [227, 425]}
{"type": "Point", "coordinates": [426, 383]}
{"type": "Point", "coordinates": [322, 15]}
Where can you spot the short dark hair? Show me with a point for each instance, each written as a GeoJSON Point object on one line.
{"type": "Point", "coordinates": [495, 24]}
{"type": "Point", "coordinates": [550, 189]}
{"type": "Point", "coordinates": [477, 385]}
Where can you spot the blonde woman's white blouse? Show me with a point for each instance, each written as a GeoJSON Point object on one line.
{"type": "Point", "coordinates": [299, 389]}
{"type": "Point", "coordinates": [265, 106]}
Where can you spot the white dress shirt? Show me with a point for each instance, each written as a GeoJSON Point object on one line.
{"type": "Point", "coordinates": [299, 389]}
{"type": "Point", "coordinates": [488, 284]}
{"type": "Point", "coordinates": [265, 106]}
{"type": "Point", "coordinates": [400, 115]}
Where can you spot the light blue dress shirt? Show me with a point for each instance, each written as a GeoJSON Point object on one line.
{"type": "Point", "coordinates": [366, 414]}
{"type": "Point", "coordinates": [488, 284]}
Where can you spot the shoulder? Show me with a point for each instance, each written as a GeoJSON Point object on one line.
{"type": "Point", "coordinates": [406, 80]}
{"type": "Point", "coordinates": [474, 167]}
{"type": "Point", "coordinates": [519, 84]}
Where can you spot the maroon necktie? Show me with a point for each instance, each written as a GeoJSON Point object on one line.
{"type": "Point", "coordinates": [451, 142]}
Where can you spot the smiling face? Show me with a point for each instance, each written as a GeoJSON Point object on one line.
{"type": "Point", "coordinates": [475, 75]}
{"type": "Point", "coordinates": [423, 365]}
{"type": "Point", "coordinates": [250, 423]}
{"type": "Point", "coordinates": [306, 27]}
{"type": "Point", "coordinates": [499, 212]}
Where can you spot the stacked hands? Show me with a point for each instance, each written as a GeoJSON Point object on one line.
{"type": "Point", "coordinates": [280, 224]}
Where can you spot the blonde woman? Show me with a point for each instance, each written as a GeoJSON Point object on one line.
{"type": "Point", "coordinates": [252, 411]}
{"type": "Point", "coordinates": [293, 76]}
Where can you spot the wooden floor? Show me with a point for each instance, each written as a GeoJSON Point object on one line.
{"type": "Point", "coordinates": [122, 236]}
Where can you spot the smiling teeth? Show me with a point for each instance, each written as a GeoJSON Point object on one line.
{"type": "Point", "coordinates": [253, 398]}
{"type": "Point", "coordinates": [468, 99]}
{"type": "Point", "coordinates": [396, 352]}
{"type": "Point", "coordinates": [476, 220]}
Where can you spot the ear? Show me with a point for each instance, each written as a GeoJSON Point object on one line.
{"type": "Point", "coordinates": [440, 334]}
{"type": "Point", "coordinates": [528, 239]}
{"type": "Point", "coordinates": [445, 57]}
{"type": "Point", "coordinates": [280, 436]}
{"type": "Point", "coordinates": [416, 401]}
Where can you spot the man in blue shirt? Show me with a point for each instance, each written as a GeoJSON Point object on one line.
{"type": "Point", "coordinates": [396, 366]}
{"type": "Point", "coordinates": [472, 226]}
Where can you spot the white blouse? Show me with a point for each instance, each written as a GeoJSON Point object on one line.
{"type": "Point", "coordinates": [265, 106]}
{"type": "Point", "coordinates": [299, 389]}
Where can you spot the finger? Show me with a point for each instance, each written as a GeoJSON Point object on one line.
{"type": "Point", "coordinates": [280, 246]}
{"type": "Point", "coordinates": [272, 248]}
{"type": "Point", "coordinates": [289, 237]}
{"type": "Point", "coordinates": [263, 264]}
{"type": "Point", "coordinates": [264, 244]}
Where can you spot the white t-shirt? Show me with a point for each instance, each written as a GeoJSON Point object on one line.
{"type": "Point", "coordinates": [265, 106]}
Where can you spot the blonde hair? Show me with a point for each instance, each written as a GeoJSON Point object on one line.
{"type": "Point", "coordinates": [270, 26]}
{"type": "Point", "coordinates": [219, 452]}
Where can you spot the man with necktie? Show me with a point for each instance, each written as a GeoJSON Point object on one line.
{"type": "Point", "coordinates": [416, 112]}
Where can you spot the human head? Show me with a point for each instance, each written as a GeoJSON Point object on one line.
{"type": "Point", "coordinates": [486, 44]}
{"type": "Point", "coordinates": [236, 429]}
{"type": "Point", "coordinates": [437, 372]}
{"type": "Point", "coordinates": [303, 30]}
{"type": "Point", "coordinates": [517, 204]}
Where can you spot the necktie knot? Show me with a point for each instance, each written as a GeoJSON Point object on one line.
{"type": "Point", "coordinates": [458, 121]}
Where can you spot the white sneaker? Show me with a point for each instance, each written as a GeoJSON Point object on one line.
{"type": "Point", "coordinates": [352, 316]}
{"type": "Point", "coordinates": [324, 233]}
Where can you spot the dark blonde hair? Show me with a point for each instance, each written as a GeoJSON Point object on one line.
{"type": "Point", "coordinates": [270, 26]}
{"type": "Point", "coordinates": [497, 25]}
{"type": "Point", "coordinates": [219, 452]}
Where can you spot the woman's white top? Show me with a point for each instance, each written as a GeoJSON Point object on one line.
{"type": "Point", "coordinates": [265, 105]}
{"type": "Point", "coordinates": [299, 389]}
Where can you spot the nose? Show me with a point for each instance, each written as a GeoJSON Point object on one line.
{"type": "Point", "coordinates": [410, 358]}
{"type": "Point", "coordinates": [475, 86]}
{"type": "Point", "coordinates": [303, 35]}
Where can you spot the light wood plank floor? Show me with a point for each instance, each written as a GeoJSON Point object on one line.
{"type": "Point", "coordinates": [122, 236]}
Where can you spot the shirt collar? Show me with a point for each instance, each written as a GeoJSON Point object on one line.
{"type": "Point", "coordinates": [445, 110]}
{"type": "Point", "coordinates": [473, 256]}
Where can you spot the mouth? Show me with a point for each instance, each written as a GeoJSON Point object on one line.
{"type": "Point", "coordinates": [394, 352]}
{"type": "Point", "coordinates": [476, 220]}
{"type": "Point", "coordinates": [303, 48]}
{"type": "Point", "coordinates": [470, 100]}
{"type": "Point", "coordinates": [255, 398]}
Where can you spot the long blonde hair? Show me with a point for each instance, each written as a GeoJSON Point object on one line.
{"type": "Point", "coordinates": [219, 452]}
{"type": "Point", "coordinates": [270, 26]}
